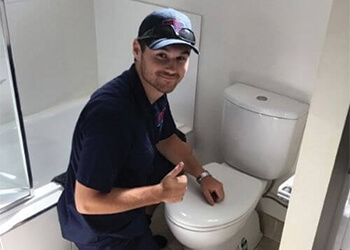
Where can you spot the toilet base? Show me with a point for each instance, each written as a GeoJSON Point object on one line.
{"type": "Point", "coordinates": [246, 238]}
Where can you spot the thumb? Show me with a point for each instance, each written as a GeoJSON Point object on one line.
{"type": "Point", "coordinates": [177, 170]}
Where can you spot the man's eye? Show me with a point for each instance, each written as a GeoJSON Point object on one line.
{"type": "Point", "coordinates": [182, 59]}
{"type": "Point", "coordinates": [161, 56]}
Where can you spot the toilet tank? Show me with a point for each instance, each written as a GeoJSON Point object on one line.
{"type": "Point", "coordinates": [261, 131]}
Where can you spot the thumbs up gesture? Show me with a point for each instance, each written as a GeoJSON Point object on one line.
{"type": "Point", "coordinates": [174, 185]}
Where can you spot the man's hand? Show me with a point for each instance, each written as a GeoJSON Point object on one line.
{"type": "Point", "coordinates": [174, 185]}
{"type": "Point", "coordinates": [212, 189]}
{"type": "Point", "coordinates": [175, 150]}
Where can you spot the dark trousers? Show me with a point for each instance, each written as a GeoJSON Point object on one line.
{"type": "Point", "coordinates": [142, 242]}
{"type": "Point", "coordinates": [145, 241]}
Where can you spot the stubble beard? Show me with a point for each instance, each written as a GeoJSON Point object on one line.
{"type": "Point", "coordinates": [154, 80]}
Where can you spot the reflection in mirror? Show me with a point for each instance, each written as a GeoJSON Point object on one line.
{"type": "Point", "coordinates": [15, 176]}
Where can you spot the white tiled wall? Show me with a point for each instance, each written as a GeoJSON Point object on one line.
{"type": "Point", "coordinates": [54, 48]}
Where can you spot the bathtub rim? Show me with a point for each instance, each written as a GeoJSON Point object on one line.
{"type": "Point", "coordinates": [43, 199]}
{"type": "Point", "coordinates": [27, 121]}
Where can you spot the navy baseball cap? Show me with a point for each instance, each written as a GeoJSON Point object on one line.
{"type": "Point", "coordinates": [165, 27]}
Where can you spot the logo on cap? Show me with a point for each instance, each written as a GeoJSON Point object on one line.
{"type": "Point", "coordinates": [177, 24]}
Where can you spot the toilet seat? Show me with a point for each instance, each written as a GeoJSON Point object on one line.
{"type": "Point", "coordinates": [242, 193]}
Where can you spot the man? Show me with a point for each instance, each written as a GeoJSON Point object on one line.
{"type": "Point", "coordinates": [124, 139]}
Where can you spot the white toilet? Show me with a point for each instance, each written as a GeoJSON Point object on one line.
{"type": "Point", "coordinates": [260, 134]}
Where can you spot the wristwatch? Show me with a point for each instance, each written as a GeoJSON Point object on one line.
{"type": "Point", "coordinates": [202, 176]}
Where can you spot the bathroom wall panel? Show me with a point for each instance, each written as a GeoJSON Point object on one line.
{"type": "Point", "coordinates": [318, 155]}
{"type": "Point", "coordinates": [54, 47]}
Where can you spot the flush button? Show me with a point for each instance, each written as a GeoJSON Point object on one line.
{"type": "Point", "coordinates": [287, 189]}
{"type": "Point", "coordinates": [262, 98]}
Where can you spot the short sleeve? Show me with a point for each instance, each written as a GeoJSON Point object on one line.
{"type": "Point", "coordinates": [104, 145]}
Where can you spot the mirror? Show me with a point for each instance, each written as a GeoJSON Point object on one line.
{"type": "Point", "coordinates": [15, 175]}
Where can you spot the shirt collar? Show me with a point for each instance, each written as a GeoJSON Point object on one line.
{"type": "Point", "coordinates": [141, 96]}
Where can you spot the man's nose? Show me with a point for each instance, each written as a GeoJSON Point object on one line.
{"type": "Point", "coordinates": [171, 66]}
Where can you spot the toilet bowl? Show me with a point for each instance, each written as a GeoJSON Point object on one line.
{"type": "Point", "coordinates": [261, 133]}
{"type": "Point", "coordinates": [197, 225]}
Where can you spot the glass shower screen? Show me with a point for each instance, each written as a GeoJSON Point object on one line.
{"type": "Point", "coordinates": [15, 175]}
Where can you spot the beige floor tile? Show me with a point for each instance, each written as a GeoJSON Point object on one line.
{"type": "Point", "coordinates": [267, 244]}
{"type": "Point", "coordinates": [271, 227]}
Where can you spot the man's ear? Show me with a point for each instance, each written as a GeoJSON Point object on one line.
{"type": "Point", "coordinates": [136, 49]}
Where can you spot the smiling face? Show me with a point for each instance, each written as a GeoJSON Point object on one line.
{"type": "Point", "coordinates": [161, 70]}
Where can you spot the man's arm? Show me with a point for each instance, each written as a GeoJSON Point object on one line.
{"type": "Point", "coordinates": [170, 189]}
{"type": "Point", "coordinates": [175, 151]}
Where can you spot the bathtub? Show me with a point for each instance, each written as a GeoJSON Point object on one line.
{"type": "Point", "coordinates": [49, 135]}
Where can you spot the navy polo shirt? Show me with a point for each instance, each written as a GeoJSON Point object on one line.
{"type": "Point", "coordinates": [114, 146]}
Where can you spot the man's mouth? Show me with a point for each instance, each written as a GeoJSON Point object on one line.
{"type": "Point", "coordinates": [167, 76]}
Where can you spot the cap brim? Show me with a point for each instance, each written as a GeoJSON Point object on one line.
{"type": "Point", "coordinates": [161, 43]}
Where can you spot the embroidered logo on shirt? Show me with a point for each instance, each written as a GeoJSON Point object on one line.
{"type": "Point", "coordinates": [160, 120]}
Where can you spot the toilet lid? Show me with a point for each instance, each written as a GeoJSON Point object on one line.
{"type": "Point", "coordinates": [242, 192]}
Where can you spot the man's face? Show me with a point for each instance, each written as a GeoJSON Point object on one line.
{"type": "Point", "coordinates": [164, 68]}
